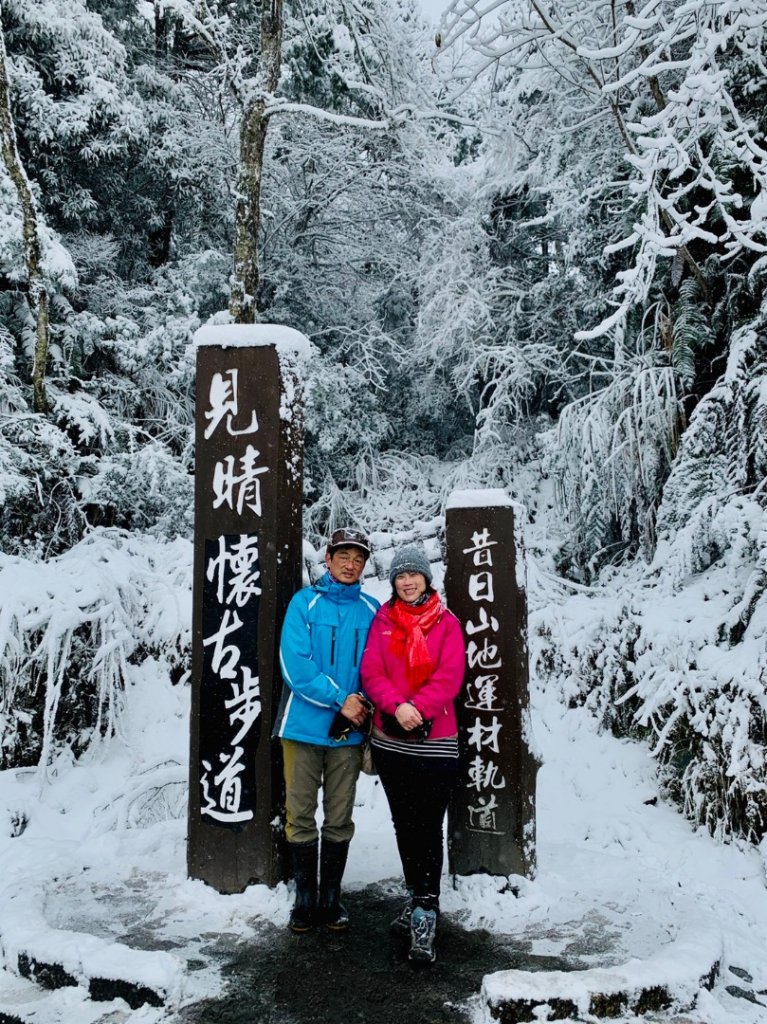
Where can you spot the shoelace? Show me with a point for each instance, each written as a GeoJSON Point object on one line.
{"type": "Point", "coordinates": [422, 928]}
{"type": "Point", "coordinates": [405, 916]}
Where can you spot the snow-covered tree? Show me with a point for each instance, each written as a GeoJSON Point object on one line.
{"type": "Point", "coordinates": [632, 137]}
{"type": "Point", "coordinates": [34, 283]}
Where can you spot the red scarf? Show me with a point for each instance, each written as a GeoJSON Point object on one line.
{"type": "Point", "coordinates": [408, 641]}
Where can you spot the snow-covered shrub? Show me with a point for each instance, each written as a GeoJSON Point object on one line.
{"type": "Point", "coordinates": [392, 493]}
{"type": "Point", "coordinates": [146, 489]}
{"type": "Point", "coordinates": [613, 452]}
{"type": "Point", "coordinates": [339, 427]}
{"type": "Point", "coordinates": [39, 512]}
{"type": "Point", "coordinates": [677, 650]}
{"type": "Point", "coordinates": [116, 449]}
{"type": "Point", "coordinates": [69, 629]}
{"type": "Point", "coordinates": [724, 452]}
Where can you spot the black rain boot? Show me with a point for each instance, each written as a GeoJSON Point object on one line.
{"type": "Point", "coordinates": [304, 860]}
{"type": "Point", "coordinates": [332, 863]}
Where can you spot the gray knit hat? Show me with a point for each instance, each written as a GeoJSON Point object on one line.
{"type": "Point", "coordinates": [410, 559]}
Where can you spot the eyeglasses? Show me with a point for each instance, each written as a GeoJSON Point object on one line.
{"type": "Point", "coordinates": [347, 558]}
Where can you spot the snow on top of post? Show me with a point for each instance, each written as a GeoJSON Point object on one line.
{"type": "Point", "coordinates": [284, 339]}
{"type": "Point", "coordinates": [481, 497]}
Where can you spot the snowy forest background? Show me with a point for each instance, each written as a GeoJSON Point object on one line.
{"type": "Point", "coordinates": [529, 253]}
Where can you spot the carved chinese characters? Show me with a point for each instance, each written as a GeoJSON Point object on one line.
{"type": "Point", "coordinates": [231, 691]}
{"type": "Point", "coordinates": [492, 816]}
{"type": "Point", "coordinates": [247, 566]}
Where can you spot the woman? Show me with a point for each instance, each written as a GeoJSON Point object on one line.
{"type": "Point", "coordinates": [412, 670]}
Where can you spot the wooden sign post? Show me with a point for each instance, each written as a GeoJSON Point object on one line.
{"type": "Point", "coordinates": [247, 566]}
{"type": "Point", "coordinates": [491, 820]}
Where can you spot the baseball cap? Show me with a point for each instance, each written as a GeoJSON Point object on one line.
{"type": "Point", "coordinates": [349, 536]}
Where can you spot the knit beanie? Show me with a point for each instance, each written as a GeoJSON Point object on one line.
{"type": "Point", "coordinates": [410, 559]}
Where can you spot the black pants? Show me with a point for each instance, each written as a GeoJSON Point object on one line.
{"type": "Point", "coordinates": [418, 790]}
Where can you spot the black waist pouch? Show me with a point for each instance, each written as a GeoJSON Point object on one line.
{"type": "Point", "coordinates": [392, 728]}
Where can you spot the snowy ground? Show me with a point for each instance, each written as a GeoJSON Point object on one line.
{"type": "Point", "coordinates": [93, 872]}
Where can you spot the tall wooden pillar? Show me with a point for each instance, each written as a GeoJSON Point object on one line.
{"type": "Point", "coordinates": [247, 566]}
{"type": "Point", "coordinates": [491, 821]}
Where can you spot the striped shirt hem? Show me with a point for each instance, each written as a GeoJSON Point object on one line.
{"type": "Point", "coordinates": [447, 747]}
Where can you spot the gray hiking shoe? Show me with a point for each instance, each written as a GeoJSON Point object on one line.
{"type": "Point", "coordinates": [423, 931]}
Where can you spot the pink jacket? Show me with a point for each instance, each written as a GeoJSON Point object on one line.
{"type": "Point", "coordinates": [383, 673]}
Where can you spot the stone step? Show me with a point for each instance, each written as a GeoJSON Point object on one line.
{"type": "Point", "coordinates": [670, 979]}
{"type": "Point", "coordinates": [51, 975]}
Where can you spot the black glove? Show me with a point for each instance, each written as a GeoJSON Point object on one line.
{"type": "Point", "coordinates": [392, 728]}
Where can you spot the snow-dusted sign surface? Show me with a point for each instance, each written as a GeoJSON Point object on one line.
{"type": "Point", "coordinates": [247, 566]}
{"type": "Point", "coordinates": [492, 816]}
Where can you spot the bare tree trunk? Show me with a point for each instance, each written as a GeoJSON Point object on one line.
{"type": "Point", "coordinates": [252, 142]}
{"type": "Point", "coordinates": [38, 292]}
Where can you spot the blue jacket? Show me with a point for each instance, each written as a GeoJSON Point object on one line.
{"type": "Point", "coordinates": [323, 636]}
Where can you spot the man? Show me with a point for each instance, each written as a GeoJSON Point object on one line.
{"type": "Point", "coordinates": [323, 636]}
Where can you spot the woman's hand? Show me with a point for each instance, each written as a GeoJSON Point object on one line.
{"type": "Point", "coordinates": [408, 716]}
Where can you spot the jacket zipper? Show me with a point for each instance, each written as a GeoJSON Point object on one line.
{"type": "Point", "coordinates": [356, 640]}
{"type": "Point", "coordinates": [332, 645]}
